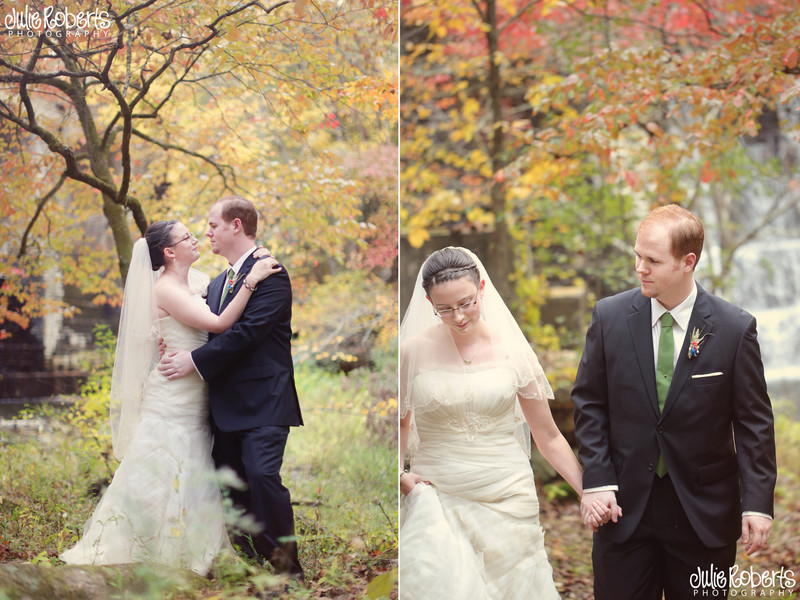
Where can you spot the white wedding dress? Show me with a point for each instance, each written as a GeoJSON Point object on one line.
{"type": "Point", "coordinates": [474, 533]}
{"type": "Point", "coordinates": [163, 504]}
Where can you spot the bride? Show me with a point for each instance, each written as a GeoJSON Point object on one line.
{"type": "Point", "coordinates": [470, 383]}
{"type": "Point", "coordinates": [163, 504]}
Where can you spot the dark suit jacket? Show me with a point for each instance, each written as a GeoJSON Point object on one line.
{"type": "Point", "coordinates": [716, 432]}
{"type": "Point", "coordinates": [249, 367]}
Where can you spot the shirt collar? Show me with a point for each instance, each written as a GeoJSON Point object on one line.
{"type": "Point", "coordinates": [237, 266]}
{"type": "Point", "coordinates": [681, 313]}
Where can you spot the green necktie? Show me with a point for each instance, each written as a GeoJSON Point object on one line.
{"type": "Point", "coordinates": [229, 283]}
{"type": "Point", "coordinates": [664, 368]}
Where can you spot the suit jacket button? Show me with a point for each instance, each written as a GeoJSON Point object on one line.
{"type": "Point", "coordinates": [660, 429]}
{"type": "Point", "coordinates": [650, 467]}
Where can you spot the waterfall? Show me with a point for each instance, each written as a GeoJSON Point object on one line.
{"type": "Point", "coordinates": [766, 270]}
{"type": "Point", "coordinates": [767, 284]}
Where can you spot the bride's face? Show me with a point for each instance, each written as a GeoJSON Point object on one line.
{"type": "Point", "coordinates": [184, 245]}
{"type": "Point", "coordinates": [458, 303]}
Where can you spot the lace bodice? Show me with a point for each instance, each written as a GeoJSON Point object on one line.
{"type": "Point", "coordinates": [466, 405]}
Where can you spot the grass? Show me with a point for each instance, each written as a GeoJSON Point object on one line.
{"type": "Point", "coordinates": [341, 469]}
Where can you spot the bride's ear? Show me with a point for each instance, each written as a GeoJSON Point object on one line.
{"type": "Point", "coordinates": [481, 286]}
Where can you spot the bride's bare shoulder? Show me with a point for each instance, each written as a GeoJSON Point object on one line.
{"type": "Point", "coordinates": [422, 339]}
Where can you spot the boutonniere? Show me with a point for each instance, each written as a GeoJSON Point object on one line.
{"type": "Point", "coordinates": [231, 282]}
{"type": "Point", "coordinates": [697, 340]}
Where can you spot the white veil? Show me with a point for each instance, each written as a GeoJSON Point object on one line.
{"type": "Point", "coordinates": [137, 348]}
{"type": "Point", "coordinates": [426, 344]}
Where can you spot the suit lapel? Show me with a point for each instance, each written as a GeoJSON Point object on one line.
{"type": "Point", "coordinates": [214, 292]}
{"type": "Point", "coordinates": [699, 320]}
{"type": "Point", "coordinates": [642, 337]}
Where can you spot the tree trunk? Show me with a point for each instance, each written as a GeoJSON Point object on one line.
{"type": "Point", "coordinates": [99, 160]}
{"type": "Point", "coordinates": [498, 263]}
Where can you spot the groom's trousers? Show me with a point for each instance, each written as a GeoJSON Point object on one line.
{"type": "Point", "coordinates": [256, 455]}
{"type": "Point", "coordinates": [664, 553]}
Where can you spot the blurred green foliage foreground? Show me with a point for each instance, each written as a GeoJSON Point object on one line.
{"type": "Point", "coordinates": [341, 469]}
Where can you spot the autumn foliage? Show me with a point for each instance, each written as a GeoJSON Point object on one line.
{"type": "Point", "coordinates": [156, 109]}
{"type": "Point", "coordinates": [550, 126]}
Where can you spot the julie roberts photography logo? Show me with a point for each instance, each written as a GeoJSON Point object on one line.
{"type": "Point", "coordinates": [25, 21]}
{"type": "Point", "coordinates": [742, 583]}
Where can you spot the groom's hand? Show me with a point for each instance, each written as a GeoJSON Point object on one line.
{"type": "Point", "coordinates": [755, 532]}
{"type": "Point", "coordinates": [598, 508]}
{"type": "Point", "coordinates": [176, 364]}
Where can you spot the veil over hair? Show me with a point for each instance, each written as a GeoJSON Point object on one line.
{"type": "Point", "coordinates": [137, 348]}
{"type": "Point", "coordinates": [426, 344]}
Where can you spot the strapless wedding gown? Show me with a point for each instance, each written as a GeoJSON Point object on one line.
{"type": "Point", "coordinates": [474, 533]}
{"type": "Point", "coordinates": [163, 504]}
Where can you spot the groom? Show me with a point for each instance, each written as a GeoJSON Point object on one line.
{"type": "Point", "coordinates": [674, 426]}
{"type": "Point", "coordinates": [251, 387]}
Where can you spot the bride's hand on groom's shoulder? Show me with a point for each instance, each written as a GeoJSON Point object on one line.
{"type": "Point", "coordinates": [598, 508]}
{"type": "Point", "coordinates": [264, 267]}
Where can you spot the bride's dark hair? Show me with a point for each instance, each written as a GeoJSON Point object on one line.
{"type": "Point", "coordinates": [448, 264]}
{"type": "Point", "coordinates": [159, 236]}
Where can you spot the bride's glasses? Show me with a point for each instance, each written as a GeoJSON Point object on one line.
{"type": "Point", "coordinates": [447, 313]}
{"type": "Point", "coordinates": [183, 239]}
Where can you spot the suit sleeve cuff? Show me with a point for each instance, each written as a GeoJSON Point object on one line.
{"type": "Point", "coordinates": [753, 513]}
{"type": "Point", "coordinates": [195, 367]}
{"type": "Point", "coordinates": [602, 488]}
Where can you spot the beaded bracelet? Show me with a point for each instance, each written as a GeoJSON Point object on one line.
{"type": "Point", "coordinates": [252, 288]}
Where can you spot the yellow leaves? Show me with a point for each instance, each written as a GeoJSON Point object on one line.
{"type": "Point", "coordinates": [442, 206]}
{"type": "Point", "coordinates": [540, 96]}
{"type": "Point", "coordinates": [540, 172]}
{"type": "Point", "coordinates": [480, 217]}
{"type": "Point", "coordinates": [300, 8]}
{"type": "Point", "coordinates": [549, 5]}
{"type": "Point", "coordinates": [470, 108]}
{"type": "Point", "coordinates": [465, 133]}
{"type": "Point", "coordinates": [417, 235]}
{"type": "Point", "coordinates": [510, 6]}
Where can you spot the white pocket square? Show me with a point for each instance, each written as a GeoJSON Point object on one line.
{"type": "Point", "coordinates": [701, 375]}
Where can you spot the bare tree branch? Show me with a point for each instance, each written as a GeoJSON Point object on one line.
{"type": "Point", "coordinates": [40, 204]}
{"type": "Point", "coordinates": [220, 168]}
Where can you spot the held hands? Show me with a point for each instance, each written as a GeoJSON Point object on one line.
{"type": "Point", "coordinates": [598, 508]}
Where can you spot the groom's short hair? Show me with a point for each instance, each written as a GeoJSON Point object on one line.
{"type": "Point", "coordinates": [236, 207]}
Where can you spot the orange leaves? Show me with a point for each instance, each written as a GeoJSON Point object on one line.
{"type": "Point", "coordinates": [707, 174]}
{"type": "Point", "coordinates": [789, 59]}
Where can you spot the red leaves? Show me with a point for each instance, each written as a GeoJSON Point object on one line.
{"type": "Point", "coordinates": [707, 173]}
{"type": "Point", "coordinates": [330, 122]}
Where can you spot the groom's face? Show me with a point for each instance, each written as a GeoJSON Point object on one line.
{"type": "Point", "coordinates": [220, 232]}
